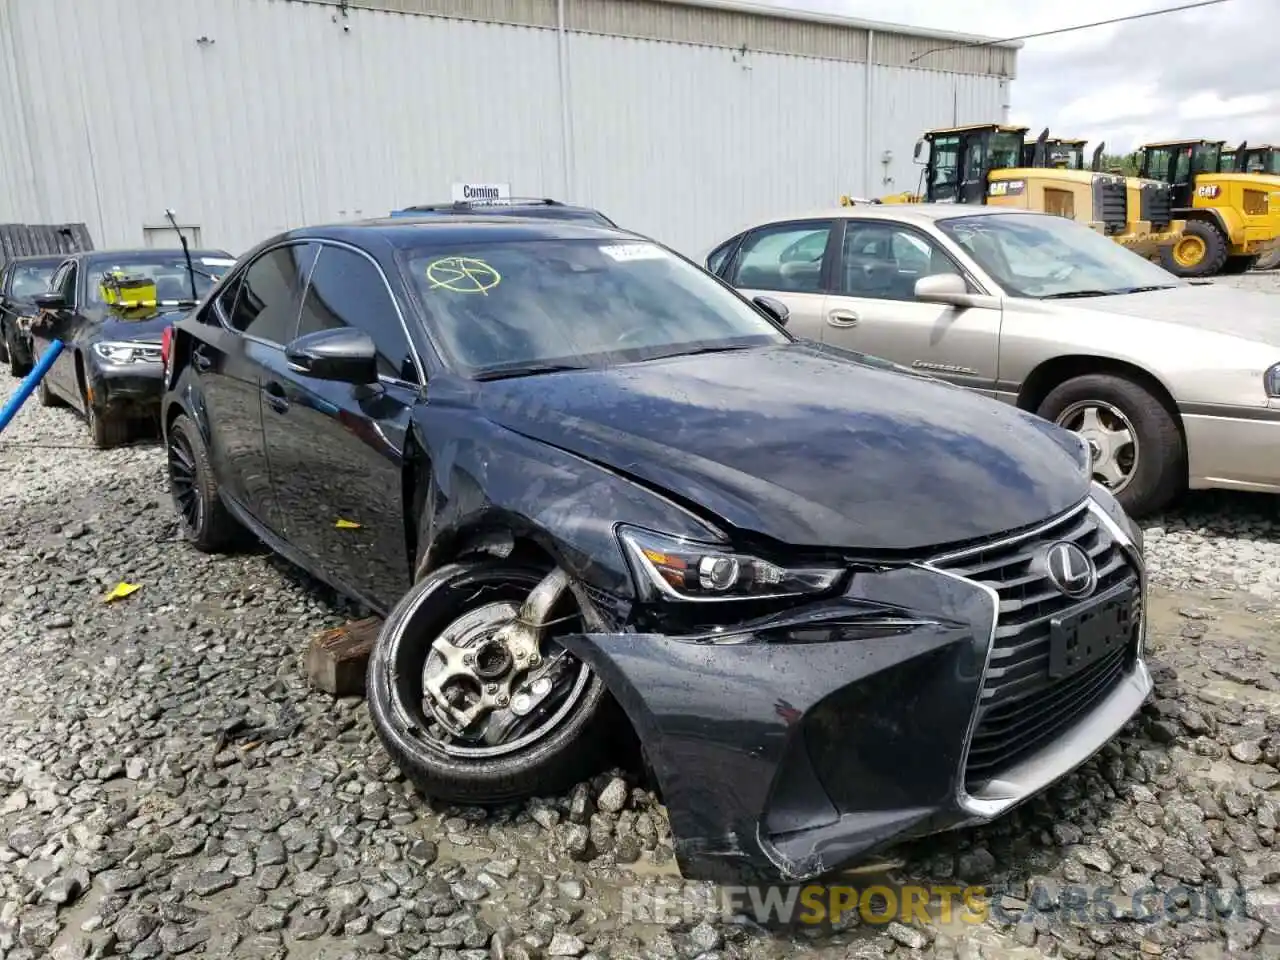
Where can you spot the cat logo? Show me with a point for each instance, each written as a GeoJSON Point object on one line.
{"type": "Point", "coordinates": [1208, 191]}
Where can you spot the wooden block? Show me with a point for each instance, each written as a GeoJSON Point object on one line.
{"type": "Point", "coordinates": [338, 659]}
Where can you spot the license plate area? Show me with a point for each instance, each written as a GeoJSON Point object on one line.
{"type": "Point", "coordinates": [1081, 637]}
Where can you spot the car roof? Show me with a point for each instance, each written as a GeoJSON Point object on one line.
{"type": "Point", "coordinates": [39, 258]}
{"type": "Point", "coordinates": [407, 232]}
{"type": "Point", "coordinates": [909, 212]}
{"type": "Point", "coordinates": [140, 253]}
{"type": "Point", "coordinates": [494, 207]}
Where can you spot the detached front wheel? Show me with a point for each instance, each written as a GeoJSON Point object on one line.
{"type": "Point", "coordinates": [1137, 449]}
{"type": "Point", "coordinates": [473, 710]}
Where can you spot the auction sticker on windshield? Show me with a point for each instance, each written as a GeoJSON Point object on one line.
{"type": "Point", "coordinates": [626, 252]}
{"type": "Point", "coordinates": [217, 262]}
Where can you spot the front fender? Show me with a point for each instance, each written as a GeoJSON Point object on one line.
{"type": "Point", "coordinates": [485, 478]}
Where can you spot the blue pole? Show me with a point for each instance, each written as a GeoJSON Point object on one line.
{"type": "Point", "coordinates": [29, 384]}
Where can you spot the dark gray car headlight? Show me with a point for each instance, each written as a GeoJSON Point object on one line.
{"type": "Point", "coordinates": [1111, 506]}
{"type": "Point", "coordinates": [127, 351]}
{"type": "Point", "coordinates": [671, 568]}
{"type": "Point", "coordinates": [1271, 381]}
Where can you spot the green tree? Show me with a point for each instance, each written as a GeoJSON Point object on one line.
{"type": "Point", "coordinates": [1126, 163]}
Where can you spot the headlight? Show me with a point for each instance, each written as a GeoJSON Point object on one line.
{"type": "Point", "coordinates": [1271, 381]}
{"type": "Point", "coordinates": [674, 569]}
{"type": "Point", "coordinates": [128, 352]}
{"type": "Point", "coordinates": [1107, 501]}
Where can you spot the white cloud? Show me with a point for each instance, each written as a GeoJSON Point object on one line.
{"type": "Point", "coordinates": [1209, 106]}
{"type": "Point", "coordinates": [1206, 72]}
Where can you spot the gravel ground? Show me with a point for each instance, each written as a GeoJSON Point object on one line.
{"type": "Point", "coordinates": [169, 784]}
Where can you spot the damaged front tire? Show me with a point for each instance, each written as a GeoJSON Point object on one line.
{"type": "Point", "coordinates": [475, 702]}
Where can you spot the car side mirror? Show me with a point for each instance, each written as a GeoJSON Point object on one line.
{"type": "Point", "coordinates": [916, 154]}
{"type": "Point", "coordinates": [776, 309]}
{"type": "Point", "coordinates": [50, 300]}
{"type": "Point", "coordinates": [947, 288]}
{"type": "Point", "coordinates": [344, 355]}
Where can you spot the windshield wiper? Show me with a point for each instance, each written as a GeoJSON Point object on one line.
{"type": "Point", "coordinates": [698, 350]}
{"type": "Point", "coordinates": [1159, 286]}
{"type": "Point", "coordinates": [527, 370]}
{"type": "Point", "coordinates": [1073, 294]}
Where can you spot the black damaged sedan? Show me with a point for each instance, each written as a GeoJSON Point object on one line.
{"type": "Point", "coordinates": [602, 499]}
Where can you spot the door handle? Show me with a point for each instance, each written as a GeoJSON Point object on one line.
{"type": "Point", "coordinates": [842, 318]}
{"type": "Point", "coordinates": [273, 393]}
{"type": "Point", "coordinates": [201, 361]}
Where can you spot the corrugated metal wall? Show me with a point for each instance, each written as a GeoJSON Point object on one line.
{"type": "Point", "coordinates": [252, 116]}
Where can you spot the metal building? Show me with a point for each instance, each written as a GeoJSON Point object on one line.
{"type": "Point", "coordinates": [678, 119]}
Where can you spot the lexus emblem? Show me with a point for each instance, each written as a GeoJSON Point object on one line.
{"type": "Point", "coordinates": [1070, 570]}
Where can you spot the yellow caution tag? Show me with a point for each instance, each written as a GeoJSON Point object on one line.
{"type": "Point", "coordinates": [347, 524]}
{"type": "Point", "coordinates": [121, 591]}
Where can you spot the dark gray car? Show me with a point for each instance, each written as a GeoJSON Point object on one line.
{"type": "Point", "coordinates": [20, 280]}
{"type": "Point", "coordinates": [110, 369]}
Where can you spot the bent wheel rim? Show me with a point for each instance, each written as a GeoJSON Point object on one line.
{"type": "Point", "coordinates": [478, 624]}
{"type": "Point", "coordinates": [1189, 251]}
{"type": "Point", "coordinates": [1112, 439]}
{"type": "Point", "coordinates": [182, 481]}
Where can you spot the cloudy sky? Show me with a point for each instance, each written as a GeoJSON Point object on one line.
{"type": "Point", "coordinates": [1208, 72]}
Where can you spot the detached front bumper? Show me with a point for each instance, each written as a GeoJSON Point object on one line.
{"type": "Point", "coordinates": [927, 698]}
{"type": "Point", "coordinates": [126, 389]}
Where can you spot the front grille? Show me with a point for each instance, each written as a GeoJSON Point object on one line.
{"type": "Point", "coordinates": [1022, 707]}
{"type": "Point", "coordinates": [1111, 203]}
{"type": "Point", "coordinates": [1157, 204]}
{"type": "Point", "coordinates": [1255, 203]}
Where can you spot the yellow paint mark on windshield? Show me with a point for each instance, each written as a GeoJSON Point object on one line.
{"type": "Point", "coordinates": [462, 275]}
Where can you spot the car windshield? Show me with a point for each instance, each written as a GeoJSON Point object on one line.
{"type": "Point", "coordinates": [30, 279]}
{"type": "Point", "coordinates": [1045, 256]}
{"type": "Point", "coordinates": [531, 305]}
{"type": "Point", "coordinates": [168, 271]}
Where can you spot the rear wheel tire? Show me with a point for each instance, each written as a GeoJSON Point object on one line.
{"type": "Point", "coordinates": [1134, 438]}
{"type": "Point", "coordinates": [1200, 252]}
{"type": "Point", "coordinates": [575, 742]}
{"type": "Point", "coordinates": [205, 520]}
{"type": "Point", "coordinates": [1238, 265]}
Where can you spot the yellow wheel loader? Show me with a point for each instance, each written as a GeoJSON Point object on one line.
{"type": "Point", "coordinates": [1150, 226]}
{"type": "Point", "coordinates": [1068, 154]}
{"type": "Point", "coordinates": [985, 163]}
{"type": "Point", "coordinates": [1263, 159]}
{"type": "Point", "coordinates": [1233, 219]}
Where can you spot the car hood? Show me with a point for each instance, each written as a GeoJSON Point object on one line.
{"type": "Point", "coordinates": [1249, 314]}
{"type": "Point", "coordinates": [807, 445]}
{"type": "Point", "coordinates": [150, 330]}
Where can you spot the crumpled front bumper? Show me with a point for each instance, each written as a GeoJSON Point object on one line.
{"type": "Point", "coordinates": [788, 747]}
